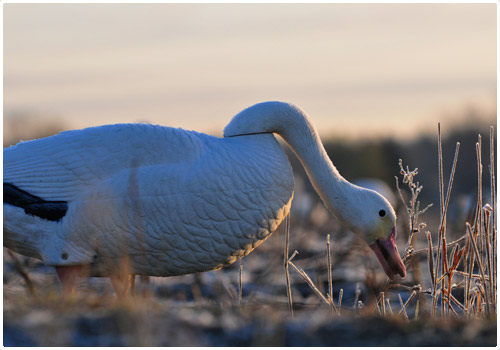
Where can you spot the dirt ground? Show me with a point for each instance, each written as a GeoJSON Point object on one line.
{"type": "Point", "coordinates": [205, 310]}
{"type": "Point", "coordinates": [147, 322]}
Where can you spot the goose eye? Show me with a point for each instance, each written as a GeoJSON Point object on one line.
{"type": "Point", "coordinates": [381, 213]}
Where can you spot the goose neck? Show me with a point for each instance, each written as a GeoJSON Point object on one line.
{"type": "Point", "coordinates": [335, 191]}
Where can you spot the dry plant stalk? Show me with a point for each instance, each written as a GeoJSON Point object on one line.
{"type": "Point", "coordinates": [456, 256]}
{"type": "Point", "coordinates": [441, 206]}
{"type": "Point", "coordinates": [480, 249]}
{"type": "Point", "coordinates": [487, 212]}
{"type": "Point", "coordinates": [329, 297]}
{"type": "Point", "coordinates": [494, 219]}
{"type": "Point", "coordinates": [356, 298]}
{"type": "Point", "coordinates": [425, 251]}
{"type": "Point", "coordinates": [479, 218]}
{"type": "Point", "coordinates": [417, 308]}
{"type": "Point", "coordinates": [287, 273]}
{"type": "Point", "coordinates": [403, 308]}
{"type": "Point", "coordinates": [306, 278]}
{"type": "Point", "coordinates": [339, 304]}
{"type": "Point", "coordinates": [441, 260]}
{"type": "Point", "coordinates": [430, 257]}
{"type": "Point", "coordinates": [378, 307]}
{"type": "Point", "coordinates": [475, 233]}
{"type": "Point", "coordinates": [477, 256]}
{"type": "Point", "coordinates": [382, 298]}
{"type": "Point", "coordinates": [389, 306]}
{"type": "Point", "coordinates": [459, 304]}
{"type": "Point", "coordinates": [442, 228]}
{"type": "Point", "coordinates": [414, 212]}
{"type": "Point", "coordinates": [330, 280]}
{"type": "Point", "coordinates": [450, 307]}
{"type": "Point", "coordinates": [477, 225]}
{"type": "Point", "coordinates": [414, 209]}
{"type": "Point", "coordinates": [241, 282]}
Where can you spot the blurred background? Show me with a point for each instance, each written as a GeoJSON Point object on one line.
{"type": "Point", "coordinates": [375, 79]}
{"type": "Point", "coordinates": [359, 70]}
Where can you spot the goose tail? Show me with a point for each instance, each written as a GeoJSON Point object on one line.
{"type": "Point", "coordinates": [28, 220]}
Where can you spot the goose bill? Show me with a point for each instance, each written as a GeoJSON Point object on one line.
{"type": "Point", "coordinates": [387, 254]}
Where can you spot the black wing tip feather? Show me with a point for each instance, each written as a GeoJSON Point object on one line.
{"type": "Point", "coordinates": [34, 205]}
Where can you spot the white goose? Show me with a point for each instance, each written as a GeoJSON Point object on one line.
{"type": "Point", "coordinates": [171, 201]}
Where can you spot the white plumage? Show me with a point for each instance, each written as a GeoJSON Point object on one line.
{"type": "Point", "coordinates": [172, 201]}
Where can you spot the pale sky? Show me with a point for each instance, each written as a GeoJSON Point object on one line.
{"type": "Point", "coordinates": [356, 69]}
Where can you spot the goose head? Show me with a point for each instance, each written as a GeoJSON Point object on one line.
{"type": "Point", "coordinates": [374, 220]}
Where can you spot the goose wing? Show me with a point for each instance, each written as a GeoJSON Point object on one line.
{"type": "Point", "coordinates": [60, 167]}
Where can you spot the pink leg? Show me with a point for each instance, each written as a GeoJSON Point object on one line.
{"type": "Point", "coordinates": [67, 275]}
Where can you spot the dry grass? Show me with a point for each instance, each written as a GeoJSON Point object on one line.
{"type": "Point", "coordinates": [453, 267]}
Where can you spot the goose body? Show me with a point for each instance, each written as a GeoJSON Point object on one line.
{"type": "Point", "coordinates": [173, 201]}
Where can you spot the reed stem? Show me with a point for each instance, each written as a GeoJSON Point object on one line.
{"type": "Point", "coordinates": [330, 280]}
{"type": "Point", "coordinates": [441, 207]}
{"type": "Point", "coordinates": [481, 269]}
{"type": "Point", "coordinates": [493, 205]}
{"type": "Point", "coordinates": [307, 279]}
{"type": "Point", "coordinates": [241, 282]}
{"type": "Point", "coordinates": [286, 260]}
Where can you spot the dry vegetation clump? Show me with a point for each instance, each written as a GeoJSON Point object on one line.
{"type": "Point", "coordinates": [461, 272]}
{"type": "Point", "coordinates": [461, 279]}
{"type": "Point", "coordinates": [331, 294]}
